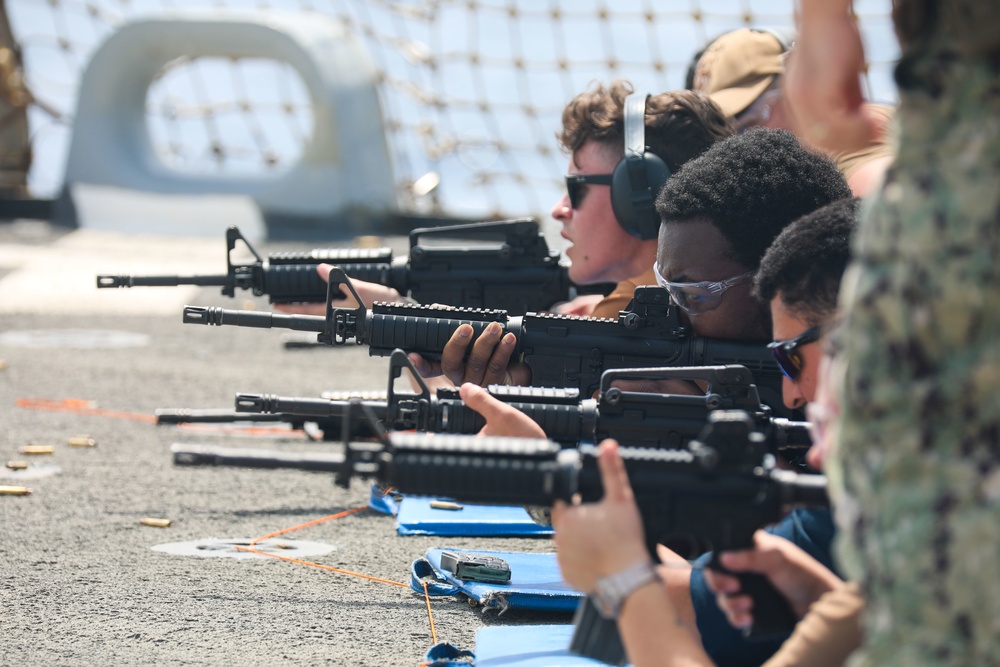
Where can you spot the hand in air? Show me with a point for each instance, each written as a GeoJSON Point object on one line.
{"type": "Point", "coordinates": [822, 87]}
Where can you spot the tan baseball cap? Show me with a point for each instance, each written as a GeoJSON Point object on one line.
{"type": "Point", "coordinates": [738, 67]}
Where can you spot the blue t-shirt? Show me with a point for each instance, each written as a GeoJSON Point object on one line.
{"type": "Point", "coordinates": [811, 529]}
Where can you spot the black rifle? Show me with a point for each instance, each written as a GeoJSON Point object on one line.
{"type": "Point", "coordinates": [561, 350]}
{"type": "Point", "coordinates": [712, 494]}
{"type": "Point", "coordinates": [329, 427]}
{"type": "Point", "coordinates": [632, 418]}
{"type": "Point", "coordinates": [505, 264]}
{"type": "Point", "coordinates": [325, 429]}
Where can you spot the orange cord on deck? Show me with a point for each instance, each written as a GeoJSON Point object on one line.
{"type": "Point", "coordinates": [80, 407]}
{"type": "Point", "coordinates": [349, 512]}
{"type": "Point", "coordinates": [338, 515]}
{"type": "Point", "coordinates": [322, 567]}
{"type": "Point", "coordinates": [430, 615]}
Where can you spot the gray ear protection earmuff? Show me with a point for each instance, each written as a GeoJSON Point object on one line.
{"type": "Point", "coordinates": [638, 176]}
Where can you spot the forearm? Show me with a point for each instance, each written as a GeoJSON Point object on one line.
{"type": "Point", "coordinates": [811, 9]}
{"type": "Point", "coordinates": [676, 575]}
{"type": "Point", "coordinates": [655, 633]}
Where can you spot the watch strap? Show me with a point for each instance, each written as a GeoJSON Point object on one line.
{"type": "Point", "coordinates": [611, 591]}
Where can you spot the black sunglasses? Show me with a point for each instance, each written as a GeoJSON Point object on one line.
{"type": "Point", "coordinates": [575, 183]}
{"type": "Point", "coordinates": [786, 352]}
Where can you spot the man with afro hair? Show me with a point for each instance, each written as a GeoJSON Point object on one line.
{"type": "Point", "coordinates": [721, 212]}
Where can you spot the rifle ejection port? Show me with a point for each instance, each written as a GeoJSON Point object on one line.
{"type": "Point", "coordinates": [244, 548]}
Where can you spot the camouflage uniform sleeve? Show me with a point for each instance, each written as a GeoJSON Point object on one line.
{"type": "Point", "coordinates": [915, 472]}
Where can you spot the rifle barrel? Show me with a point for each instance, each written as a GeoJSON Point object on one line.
{"type": "Point", "coordinates": [187, 416]}
{"type": "Point", "coordinates": [205, 455]}
{"type": "Point", "coordinates": [122, 280]}
{"type": "Point", "coordinates": [251, 318]}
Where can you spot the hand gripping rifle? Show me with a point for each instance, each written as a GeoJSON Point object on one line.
{"type": "Point", "coordinates": [632, 418]}
{"type": "Point", "coordinates": [712, 494]}
{"type": "Point", "coordinates": [505, 264]}
{"type": "Point", "coordinates": [561, 350]}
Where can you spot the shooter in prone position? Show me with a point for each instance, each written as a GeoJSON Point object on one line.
{"type": "Point", "coordinates": [505, 264]}
{"type": "Point", "coordinates": [711, 494]}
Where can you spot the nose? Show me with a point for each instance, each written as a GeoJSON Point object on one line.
{"type": "Point", "coordinates": [562, 210]}
{"type": "Point", "coordinates": [792, 394]}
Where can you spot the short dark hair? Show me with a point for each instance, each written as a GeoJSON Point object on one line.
{"type": "Point", "coordinates": [680, 125]}
{"type": "Point", "coordinates": [751, 186]}
{"type": "Point", "coordinates": [807, 260]}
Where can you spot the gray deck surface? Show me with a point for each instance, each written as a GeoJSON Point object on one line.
{"type": "Point", "coordinates": [80, 584]}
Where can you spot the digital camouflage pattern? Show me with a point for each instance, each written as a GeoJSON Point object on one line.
{"type": "Point", "coordinates": [916, 470]}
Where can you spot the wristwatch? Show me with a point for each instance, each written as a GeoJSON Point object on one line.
{"type": "Point", "coordinates": [610, 591]}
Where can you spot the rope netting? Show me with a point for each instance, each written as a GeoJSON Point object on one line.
{"type": "Point", "coordinates": [471, 91]}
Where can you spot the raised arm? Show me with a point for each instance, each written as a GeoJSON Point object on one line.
{"type": "Point", "coordinates": [822, 87]}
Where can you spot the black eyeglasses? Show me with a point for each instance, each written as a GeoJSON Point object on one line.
{"type": "Point", "coordinates": [786, 352]}
{"type": "Point", "coordinates": [575, 183]}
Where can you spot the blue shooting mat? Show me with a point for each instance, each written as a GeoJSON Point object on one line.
{"type": "Point", "coordinates": [514, 646]}
{"type": "Point", "coordinates": [384, 503]}
{"type": "Point", "coordinates": [535, 582]}
{"type": "Point", "coordinates": [417, 517]}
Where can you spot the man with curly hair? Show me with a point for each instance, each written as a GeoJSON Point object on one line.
{"type": "Point", "coordinates": [718, 216]}
{"type": "Point", "coordinates": [800, 278]}
{"type": "Point", "coordinates": [679, 125]}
